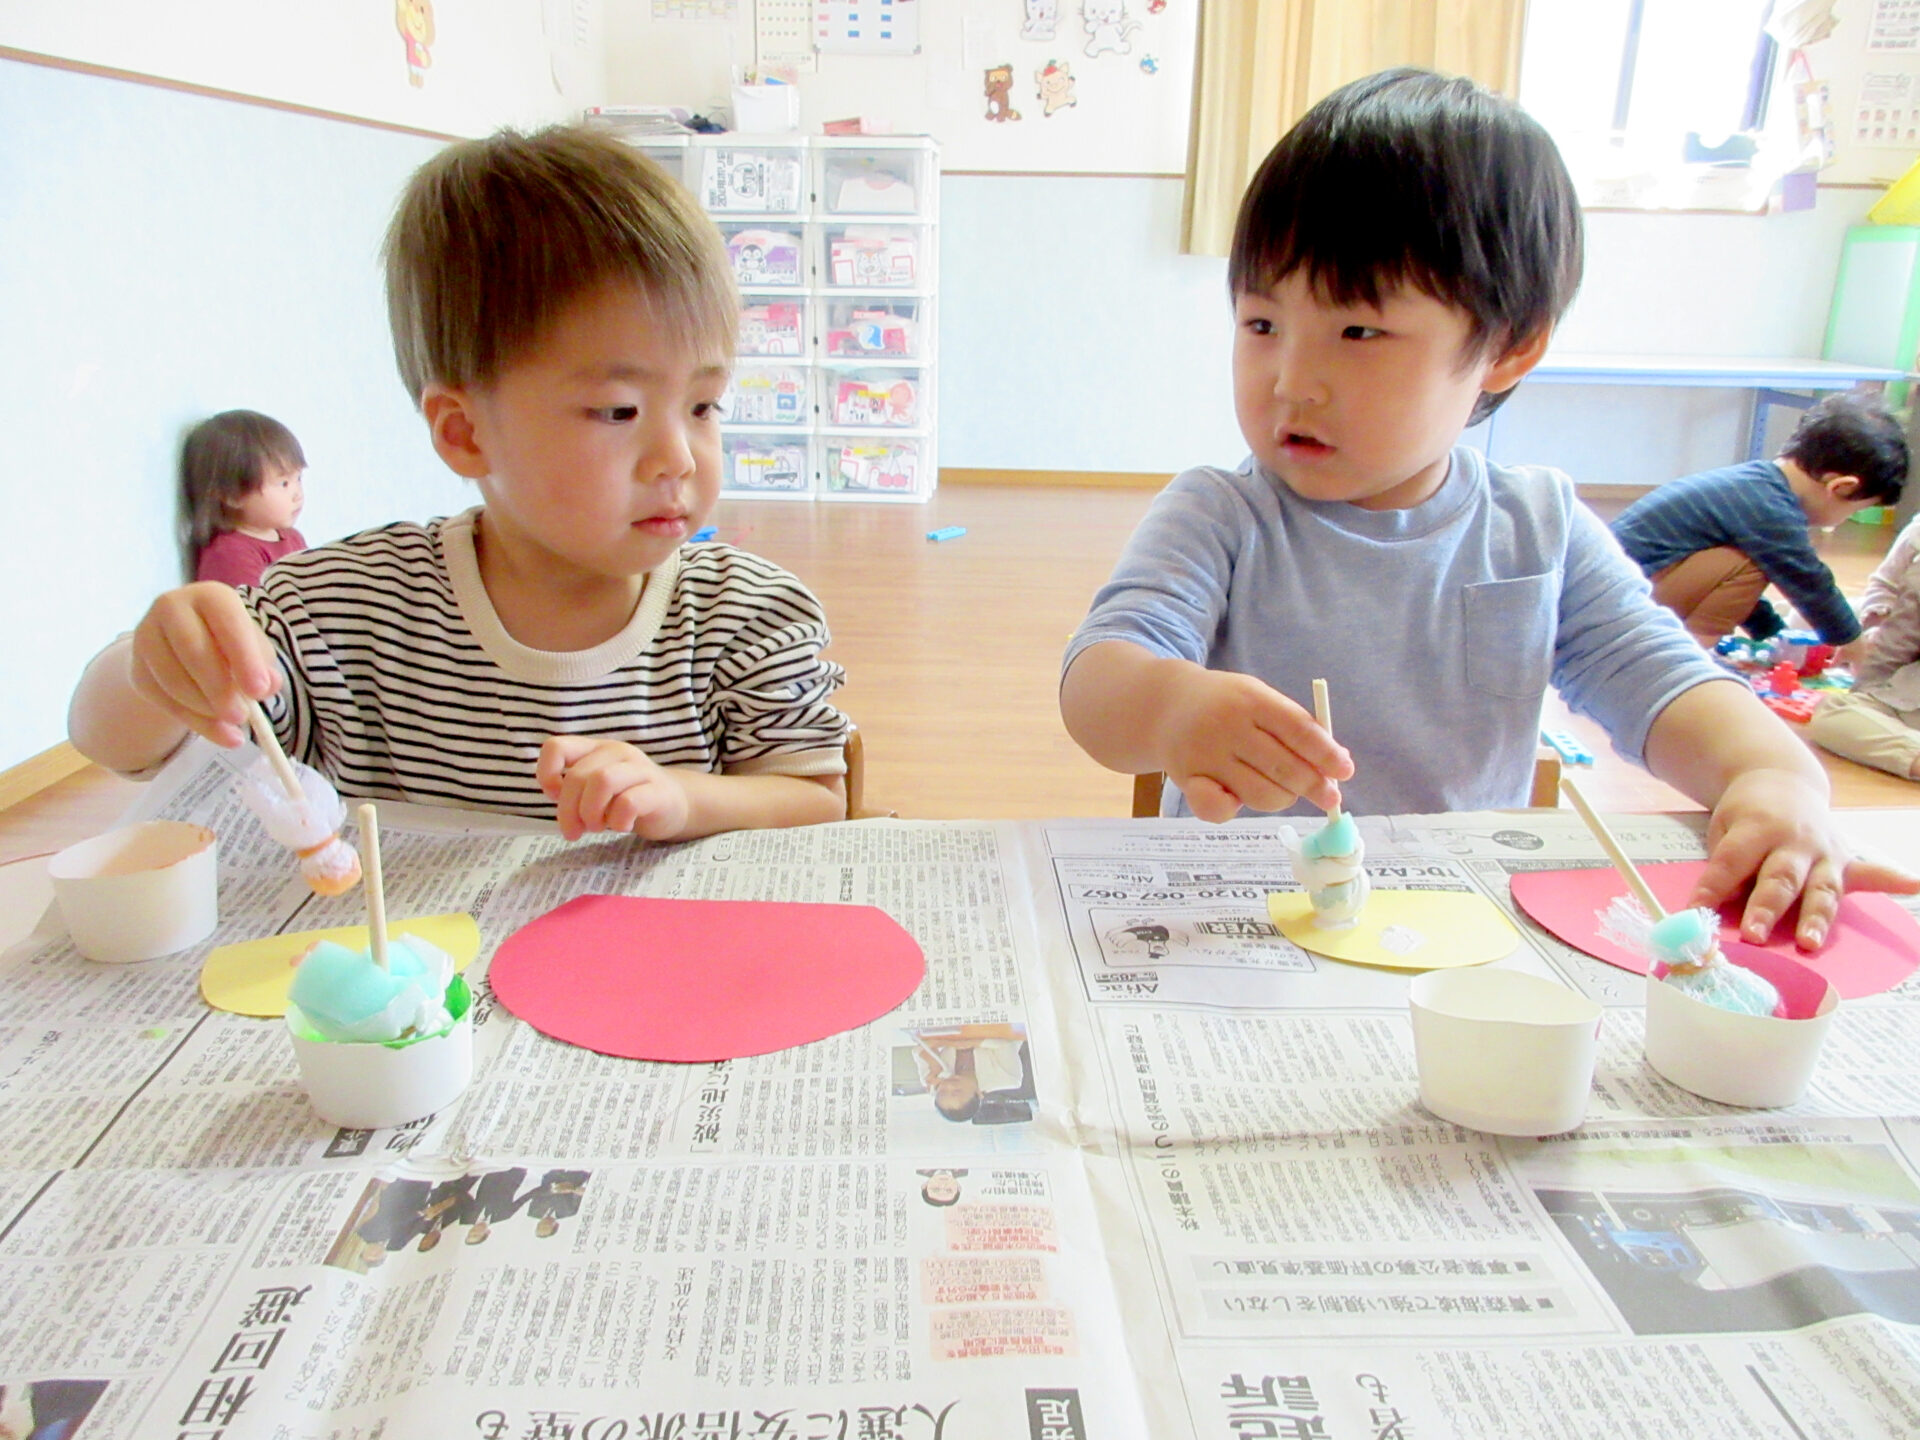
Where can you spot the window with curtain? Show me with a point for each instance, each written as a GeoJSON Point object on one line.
{"type": "Point", "coordinates": [1661, 103]}
{"type": "Point", "coordinates": [1261, 64]}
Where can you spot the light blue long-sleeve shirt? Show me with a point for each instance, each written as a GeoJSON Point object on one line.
{"type": "Point", "coordinates": [1437, 628]}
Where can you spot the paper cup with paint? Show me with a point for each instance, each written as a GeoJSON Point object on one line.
{"type": "Point", "coordinates": [1760, 1061]}
{"type": "Point", "coordinates": [138, 892]}
{"type": "Point", "coordinates": [383, 1036]}
{"type": "Point", "coordinates": [1503, 1052]}
{"type": "Point", "coordinates": [381, 1047]}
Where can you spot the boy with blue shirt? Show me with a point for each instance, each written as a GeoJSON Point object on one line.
{"type": "Point", "coordinates": [1711, 543]}
{"type": "Point", "coordinates": [1397, 268]}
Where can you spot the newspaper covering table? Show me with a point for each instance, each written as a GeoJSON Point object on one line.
{"type": "Point", "coordinates": [1198, 1197]}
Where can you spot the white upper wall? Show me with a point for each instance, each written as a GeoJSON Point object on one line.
{"type": "Point", "coordinates": [1124, 110]}
{"type": "Point", "coordinates": [513, 62]}
{"type": "Point", "coordinates": [1075, 336]}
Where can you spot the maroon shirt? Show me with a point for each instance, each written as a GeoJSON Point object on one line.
{"type": "Point", "coordinates": [239, 559]}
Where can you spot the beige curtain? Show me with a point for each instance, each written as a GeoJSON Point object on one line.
{"type": "Point", "coordinates": [1262, 63]}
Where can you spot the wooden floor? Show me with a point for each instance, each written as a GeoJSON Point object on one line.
{"type": "Point", "coordinates": [953, 649]}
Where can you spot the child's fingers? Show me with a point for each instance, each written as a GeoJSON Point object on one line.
{"type": "Point", "coordinates": [592, 775]}
{"type": "Point", "coordinates": [1254, 787]}
{"type": "Point", "coordinates": [582, 802]}
{"type": "Point", "coordinates": [215, 639]}
{"type": "Point", "coordinates": [1209, 799]}
{"type": "Point", "coordinates": [199, 656]}
{"type": "Point", "coordinates": [1781, 873]}
{"type": "Point", "coordinates": [161, 677]}
{"type": "Point", "coordinates": [597, 782]}
{"type": "Point", "coordinates": [559, 752]}
{"type": "Point", "coordinates": [1820, 896]}
{"type": "Point", "coordinates": [1282, 774]}
{"type": "Point", "coordinates": [249, 656]}
{"type": "Point", "coordinates": [1872, 875]}
{"type": "Point", "coordinates": [1295, 729]}
{"type": "Point", "coordinates": [650, 809]}
{"type": "Point", "coordinates": [1731, 860]}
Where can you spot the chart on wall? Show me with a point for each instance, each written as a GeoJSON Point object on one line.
{"type": "Point", "coordinates": [1864, 71]}
{"type": "Point", "coordinates": [1073, 86]}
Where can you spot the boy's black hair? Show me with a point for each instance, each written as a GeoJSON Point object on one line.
{"type": "Point", "coordinates": [1411, 178]}
{"type": "Point", "coordinates": [1847, 435]}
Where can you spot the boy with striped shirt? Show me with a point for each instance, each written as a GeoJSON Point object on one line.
{"type": "Point", "coordinates": [563, 315]}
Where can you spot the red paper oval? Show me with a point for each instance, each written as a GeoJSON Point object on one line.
{"type": "Point", "coordinates": [703, 980]}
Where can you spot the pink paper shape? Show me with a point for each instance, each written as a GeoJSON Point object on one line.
{"type": "Point", "coordinates": [1872, 947]}
{"type": "Point", "coordinates": [703, 980]}
{"type": "Point", "coordinates": [1802, 990]}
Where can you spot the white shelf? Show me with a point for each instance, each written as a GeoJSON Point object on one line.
{"type": "Point", "coordinates": [840, 332]}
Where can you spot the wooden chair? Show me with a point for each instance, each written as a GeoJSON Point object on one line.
{"type": "Point", "coordinates": [857, 780]}
{"type": "Point", "coordinates": [1544, 795]}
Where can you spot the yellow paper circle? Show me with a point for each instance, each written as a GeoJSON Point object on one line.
{"type": "Point", "coordinates": [1403, 929]}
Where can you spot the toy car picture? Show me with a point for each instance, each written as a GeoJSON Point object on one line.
{"type": "Point", "coordinates": [770, 467]}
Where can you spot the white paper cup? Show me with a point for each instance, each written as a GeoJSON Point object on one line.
{"type": "Point", "coordinates": [139, 891]}
{"type": "Point", "coordinates": [1759, 1061]}
{"type": "Point", "coordinates": [1503, 1052]}
{"type": "Point", "coordinates": [367, 1085]}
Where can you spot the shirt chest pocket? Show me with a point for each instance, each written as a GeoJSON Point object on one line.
{"type": "Point", "coordinates": [1509, 635]}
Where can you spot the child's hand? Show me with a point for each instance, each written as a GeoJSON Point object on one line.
{"type": "Point", "coordinates": [1855, 652]}
{"type": "Point", "coordinates": [199, 657]}
{"type": "Point", "coordinates": [1773, 826]}
{"type": "Point", "coordinates": [599, 784]}
{"type": "Point", "coordinates": [1231, 740]}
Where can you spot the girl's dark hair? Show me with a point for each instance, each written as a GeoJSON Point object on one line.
{"type": "Point", "coordinates": [1847, 435]}
{"type": "Point", "coordinates": [1411, 178]}
{"type": "Point", "coordinates": [223, 461]}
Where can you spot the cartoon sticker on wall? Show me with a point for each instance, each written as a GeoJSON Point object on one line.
{"type": "Point", "coordinates": [1000, 94]}
{"type": "Point", "coordinates": [1109, 27]}
{"type": "Point", "coordinates": [1054, 82]}
{"type": "Point", "coordinates": [414, 20]}
{"type": "Point", "coordinates": [1042, 17]}
{"type": "Point", "coordinates": [1149, 65]}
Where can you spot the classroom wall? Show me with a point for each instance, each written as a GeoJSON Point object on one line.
{"type": "Point", "coordinates": [1075, 336]}
{"type": "Point", "coordinates": [1128, 113]}
{"type": "Point", "coordinates": [167, 256]}
{"type": "Point", "coordinates": [1675, 284]}
{"type": "Point", "coordinates": [522, 62]}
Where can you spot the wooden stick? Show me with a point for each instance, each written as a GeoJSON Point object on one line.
{"type": "Point", "coordinates": [1323, 712]}
{"type": "Point", "coordinates": [1641, 890]}
{"type": "Point", "coordinates": [376, 894]}
{"type": "Point", "coordinates": [264, 737]}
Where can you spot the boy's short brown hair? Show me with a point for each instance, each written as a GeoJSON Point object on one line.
{"type": "Point", "coordinates": [494, 238]}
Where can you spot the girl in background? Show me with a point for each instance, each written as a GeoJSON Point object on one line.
{"type": "Point", "coordinates": [240, 476]}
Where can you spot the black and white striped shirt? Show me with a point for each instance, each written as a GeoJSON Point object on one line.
{"type": "Point", "coordinates": [404, 684]}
